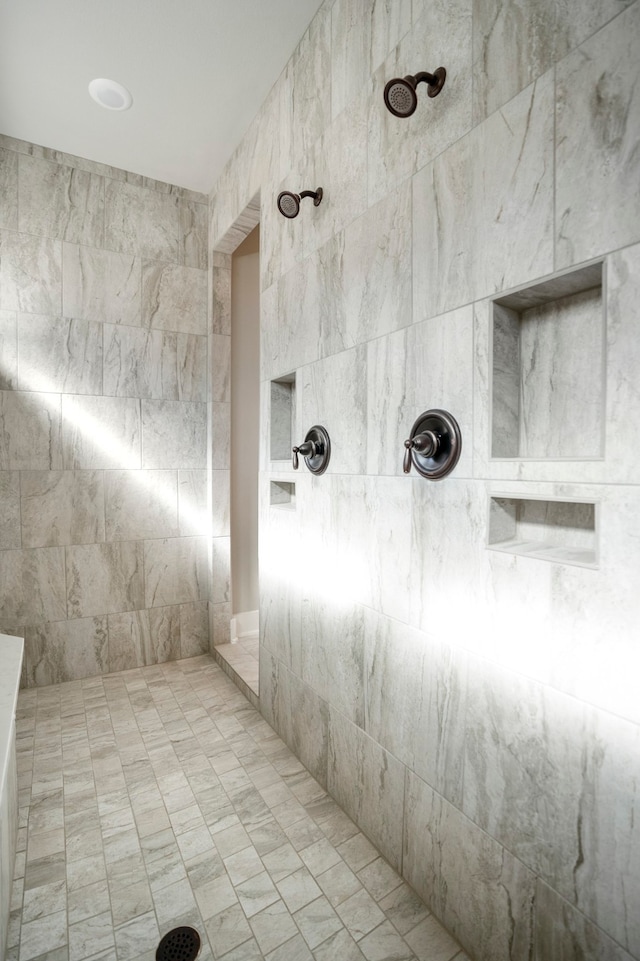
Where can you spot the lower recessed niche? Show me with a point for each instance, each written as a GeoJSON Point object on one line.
{"type": "Point", "coordinates": [283, 393]}
{"type": "Point", "coordinates": [548, 380]}
{"type": "Point", "coordinates": [282, 494]}
{"type": "Point", "coordinates": [560, 531]}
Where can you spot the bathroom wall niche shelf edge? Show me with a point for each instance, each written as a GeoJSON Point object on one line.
{"type": "Point", "coordinates": [561, 531]}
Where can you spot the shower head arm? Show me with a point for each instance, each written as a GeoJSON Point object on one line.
{"type": "Point", "coordinates": [316, 194]}
{"type": "Point", "coordinates": [423, 77]}
{"type": "Point", "coordinates": [435, 81]}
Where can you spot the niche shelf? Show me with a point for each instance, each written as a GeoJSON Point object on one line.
{"type": "Point", "coordinates": [548, 369]}
{"type": "Point", "coordinates": [283, 396]}
{"type": "Point", "coordinates": [561, 531]}
{"type": "Point", "coordinates": [282, 494]}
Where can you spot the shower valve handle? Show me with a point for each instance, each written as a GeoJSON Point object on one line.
{"type": "Point", "coordinates": [308, 449]}
{"type": "Point", "coordinates": [426, 443]}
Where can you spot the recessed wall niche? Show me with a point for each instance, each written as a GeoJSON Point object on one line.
{"type": "Point", "coordinates": [561, 531]}
{"type": "Point", "coordinates": [548, 371]}
{"type": "Point", "coordinates": [283, 395]}
{"type": "Point", "coordinates": [282, 494]}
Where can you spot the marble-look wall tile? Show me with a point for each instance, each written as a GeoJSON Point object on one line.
{"type": "Point", "coordinates": [376, 270]}
{"type": "Point", "coordinates": [154, 364]}
{"type": "Point", "coordinates": [329, 388]}
{"type": "Point", "coordinates": [390, 21]}
{"type": "Point", "coordinates": [513, 191]}
{"type": "Point", "coordinates": [483, 895]}
{"type": "Point", "coordinates": [141, 221]}
{"type": "Point", "coordinates": [523, 35]}
{"type": "Point", "coordinates": [221, 298]}
{"type": "Point", "coordinates": [173, 434]}
{"type": "Point", "coordinates": [597, 92]}
{"type": "Point", "coordinates": [332, 656]}
{"type": "Point", "coordinates": [33, 586]}
{"type": "Point", "coordinates": [59, 201]}
{"type": "Point", "coordinates": [66, 650]}
{"type": "Point", "coordinates": [311, 290]}
{"type": "Point", "coordinates": [193, 510]}
{"type": "Point", "coordinates": [338, 164]}
{"type": "Point", "coordinates": [30, 433]}
{"type": "Point", "coordinates": [350, 51]}
{"type": "Point", "coordinates": [175, 571]}
{"type": "Point", "coordinates": [520, 734]}
{"type": "Point", "coordinates": [57, 354]}
{"type": "Point", "coordinates": [62, 507]}
{"type": "Point", "coordinates": [219, 624]}
{"type": "Point", "coordinates": [623, 355]}
{"type": "Point", "coordinates": [104, 578]}
{"type": "Point", "coordinates": [368, 783]}
{"type": "Point", "coordinates": [194, 629]}
{"type": "Point", "coordinates": [130, 642]}
{"type": "Point", "coordinates": [220, 570]}
{"type": "Point", "coordinates": [30, 273]}
{"type": "Point", "coordinates": [606, 882]}
{"type": "Point", "coordinates": [530, 38]}
{"type": "Point", "coordinates": [191, 352]}
{"type": "Point", "coordinates": [446, 555]}
{"type": "Point", "coordinates": [100, 285]}
{"type": "Point", "coordinates": [10, 536]}
{"type": "Point", "coordinates": [100, 432]}
{"type": "Point", "coordinates": [415, 701]}
{"type": "Point", "coordinates": [564, 934]}
{"type": "Point", "coordinates": [280, 549]}
{"type": "Point", "coordinates": [275, 694]}
{"type": "Point", "coordinates": [192, 238]}
{"type": "Point", "coordinates": [221, 369]}
{"type": "Point", "coordinates": [473, 224]}
{"type": "Point", "coordinates": [8, 349]}
{"type": "Point", "coordinates": [220, 436]}
{"type": "Point", "coordinates": [399, 147]}
{"type": "Point", "coordinates": [174, 298]}
{"type": "Point", "coordinates": [140, 504]}
{"type": "Point", "coordinates": [439, 371]}
{"type": "Point", "coordinates": [310, 730]}
{"type": "Point", "coordinates": [164, 625]}
{"type": "Point", "coordinates": [305, 94]}
{"type": "Point", "coordinates": [386, 523]}
{"type": "Point", "coordinates": [140, 363]}
{"type": "Point", "coordinates": [269, 332]}
{"type": "Point", "coordinates": [8, 189]}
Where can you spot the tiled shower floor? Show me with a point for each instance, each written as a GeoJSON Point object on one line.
{"type": "Point", "coordinates": [158, 797]}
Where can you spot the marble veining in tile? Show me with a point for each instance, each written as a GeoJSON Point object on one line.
{"type": "Point", "coordinates": [60, 201]}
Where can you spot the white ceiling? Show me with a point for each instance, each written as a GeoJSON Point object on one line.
{"type": "Point", "coordinates": [198, 71]}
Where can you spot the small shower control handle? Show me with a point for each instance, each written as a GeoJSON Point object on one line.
{"type": "Point", "coordinates": [308, 449]}
{"type": "Point", "coordinates": [426, 443]}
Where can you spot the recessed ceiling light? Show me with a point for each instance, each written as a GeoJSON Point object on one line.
{"type": "Point", "coordinates": [110, 94]}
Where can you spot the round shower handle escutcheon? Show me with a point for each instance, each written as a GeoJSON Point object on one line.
{"type": "Point", "coordinates": [434, 445]}
{"type": "Point", "coordinates": [307, 449]}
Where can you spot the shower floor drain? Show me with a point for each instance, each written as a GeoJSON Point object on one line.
{"type": "Point", "coordinates": [181, 944]}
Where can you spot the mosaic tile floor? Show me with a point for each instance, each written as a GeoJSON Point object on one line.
{"type": "Point", "coordinates": [159, 797]}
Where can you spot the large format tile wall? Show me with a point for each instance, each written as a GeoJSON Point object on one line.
{"type": "Point", "coordinates": [474, 710]}
{"type": "Point", "coordinates": [103, 416]}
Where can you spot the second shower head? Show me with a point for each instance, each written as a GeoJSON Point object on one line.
{"type": "Point", "coordinates": [289, 203]}
{"type": "Point", "coordinates": [400, 93]}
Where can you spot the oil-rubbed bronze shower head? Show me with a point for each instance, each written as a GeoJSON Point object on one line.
{"type": "Point", "coordinates": [400, 93]}
{"type": "Point", "coordinates": [289, 203]}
